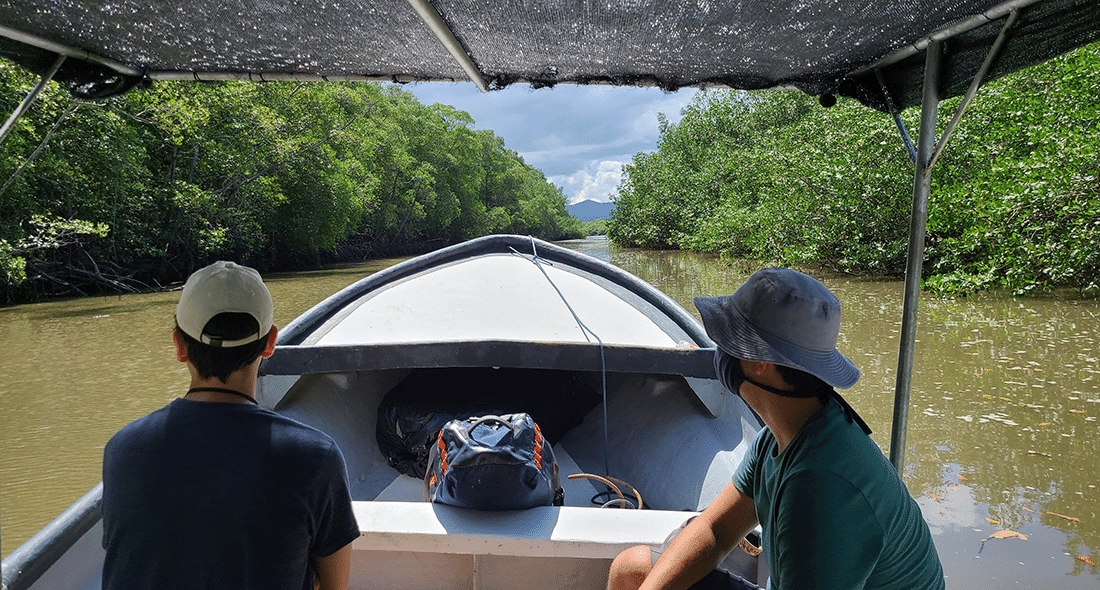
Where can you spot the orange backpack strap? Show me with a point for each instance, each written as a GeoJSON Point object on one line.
{"type": "Point", "coordinates": [442, 459]}
{"type": "Point", "coordinates": [538, 445]}
{"type": "Point", "coordinates": [442, 453]}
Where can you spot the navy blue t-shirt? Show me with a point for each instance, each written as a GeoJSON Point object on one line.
{"type": "Point", "coordinates": [218, 495]}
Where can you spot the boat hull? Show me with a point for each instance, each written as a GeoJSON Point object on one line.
{"type": "Point", "coordinates": [497, 317]}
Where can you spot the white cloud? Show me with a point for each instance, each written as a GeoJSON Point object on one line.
{"type": "Point", "coordinates": [596, 182]}
{"type": "Point", "coordinates": [578, 136]}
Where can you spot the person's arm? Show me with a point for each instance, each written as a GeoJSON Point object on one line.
{"type": "Point", "coordinates": [704, 542]}
{"type": "Point", "coordinates": [334, 571]}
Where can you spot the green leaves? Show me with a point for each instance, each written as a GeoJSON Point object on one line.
{"type": "Point", "coordinates": [769, 175]}
{"type": "Point", "coordinates": [274, 174]}
{"type": "Point", "coordinates": [1020, 208]}
{"type": "Point", "coordinates": [772, 176]}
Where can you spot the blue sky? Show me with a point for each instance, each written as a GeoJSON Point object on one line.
{"type": "Point", "coordinates": [578, 136]}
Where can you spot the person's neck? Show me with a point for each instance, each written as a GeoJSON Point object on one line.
{"type": "Point", "coordinates": [203, 389]}
{"type": "Point", "coordinates": [784, 416]}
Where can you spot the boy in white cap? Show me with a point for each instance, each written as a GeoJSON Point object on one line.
{"type": "Point", "coordinates": [213, 491]}
{"type": "Point", "coordinates": [833, 511]}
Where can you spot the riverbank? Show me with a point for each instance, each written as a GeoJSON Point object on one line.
{"type": "Point", "coordinates": [1003, 425]}
{"type": "Point", "coordinates": [122, 282]}
{"type": "Point", "coordinates": [1015, 199]}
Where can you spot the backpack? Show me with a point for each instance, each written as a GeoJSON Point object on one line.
{"type": "Point", "coordinates": [493, 463]}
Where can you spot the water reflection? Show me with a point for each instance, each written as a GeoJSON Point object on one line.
{"type": "Point", "coordinates": [73, 372]}
{"type": "Point", "coordinates": [1003, 429]}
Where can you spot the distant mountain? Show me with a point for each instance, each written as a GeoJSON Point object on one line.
{"type": "Point", "coordinates": [588, 210]}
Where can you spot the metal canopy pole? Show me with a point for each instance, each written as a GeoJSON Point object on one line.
{"type": "Point", "coordinates": [922, 183]}
{"type": "Point", "coordinates": [435, 22]}
{"type": "Point", "coordinates": [909, 149]}
{"type": "Point", "coordinates": [979, 78]}
{"type": "Point", "coordinates": [29, 100]}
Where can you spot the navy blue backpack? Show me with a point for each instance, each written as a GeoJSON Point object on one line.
{"type": "Point", "coordinates": [493, 463]}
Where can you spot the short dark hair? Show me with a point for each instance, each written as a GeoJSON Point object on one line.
{"type": "Point", "coordinates": [213, 361]}
{"type": "Point", "coordinates": [802, 381]}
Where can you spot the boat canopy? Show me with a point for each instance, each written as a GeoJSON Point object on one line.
{"type": "Point", "coordinates": [870, 50]}
{"type": "Point", "coordinates": [887, 54]}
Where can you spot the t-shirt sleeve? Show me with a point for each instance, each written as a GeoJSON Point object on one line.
{"type": "Point", "coordinates": [827, 529]}
{"type": "Point", "coordinates": [335, 521]}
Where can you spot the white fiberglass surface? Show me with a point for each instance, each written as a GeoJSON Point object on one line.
{"type": "Point", "coordinates": [497, 298]}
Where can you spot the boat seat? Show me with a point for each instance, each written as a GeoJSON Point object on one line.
{"type": "Point", "coordinates": [417, 545]}
{"type": "Point", "coordinates": [559, 531]}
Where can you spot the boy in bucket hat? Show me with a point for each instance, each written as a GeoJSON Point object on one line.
{"type": "Point", "coordinates": [833, 511]}
{"type": "Point", "coordinates": [213, 491]}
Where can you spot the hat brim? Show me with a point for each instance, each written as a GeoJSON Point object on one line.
{"type": "Point", "coordinates": [731, 332]}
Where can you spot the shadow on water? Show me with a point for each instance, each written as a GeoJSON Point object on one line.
{"type": "Point", "coordinates": [1003, 426]}
{"type": "Point", "coordinates": [1003, 431]}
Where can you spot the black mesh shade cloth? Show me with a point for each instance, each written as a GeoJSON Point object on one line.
{"type": "Point", "coordinates": [817, 46]}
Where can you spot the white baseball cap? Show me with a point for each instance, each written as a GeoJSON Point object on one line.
{"type": "Point", "coordinates": [224, 287]}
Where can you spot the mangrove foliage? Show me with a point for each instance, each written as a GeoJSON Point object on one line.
{"type": "Point", "coordinates": [137, 191]}
{"type": "Point", "coordinates": [773, 176]}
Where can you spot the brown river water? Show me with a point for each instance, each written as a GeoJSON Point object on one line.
{"type": "Point", "coordinates": [1003, 432]}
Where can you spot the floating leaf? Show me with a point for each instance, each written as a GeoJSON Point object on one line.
{"type": "Point", "coordinates": [1087, 559]}
{"type": "Point", "coordinates": [1076, 411]}
{"type": "Point", "coordinates": [1007, 535]}
{"type": "Point", "coordinates": [1063, 516]}
{"type": "Point", "coordinates": [993, 522]}
{"type": "Point", "coordinates": [1044, 425]}
{"type": "Point", "coordinates": [935, 497]}
{"type": "Point", "coordinates": [1038, 453]}
{"type": "Point", "coordinates": [962, 477]}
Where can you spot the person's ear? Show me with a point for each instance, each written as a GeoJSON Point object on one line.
{"type": "Point", "coordinates": [756, 370]}
{"type": "Point", "coordinates": [181, 346]}
{"type": "Point", "coordinates": [272, 336]}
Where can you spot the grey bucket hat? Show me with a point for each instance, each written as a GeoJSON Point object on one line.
{"type": "Point", "coordinates": [784, 317]}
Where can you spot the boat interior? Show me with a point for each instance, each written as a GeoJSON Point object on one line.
{"type": "Point", "coordinates": [686, 433]}
{"type": "Point", "coordinates": [660, 438]}
{"type": "Point", "coordinates": [479, 329]}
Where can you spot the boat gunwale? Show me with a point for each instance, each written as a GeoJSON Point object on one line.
{"type": "Point", "coordinates": [301, 327]}
{"type": "Point", "coordinates": [24, 566]}
{"type": "Point", "coordinates": [564, 356]}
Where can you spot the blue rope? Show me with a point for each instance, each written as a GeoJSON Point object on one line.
{"type": "Point", "coordinates": [538, 261]}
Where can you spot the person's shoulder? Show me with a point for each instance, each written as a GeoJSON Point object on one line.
{"type": "Point", "coordinates": [763, 439]}
{"type": "Point", "coordinates": [833, 428]}
{"type": "Point", "coordinates": [141, 426]}
{"type": "Point", "coordinates": [300, 433]}
{"type": "Point", "coordinates": [832, 443]}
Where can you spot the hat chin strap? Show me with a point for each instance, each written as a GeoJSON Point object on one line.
{"type": "Point", "coordinates": [787, 392]}
{"type": "Point", "coordinates": [730, 374]}
{"type": "Point", "coordinates": [853, 416]}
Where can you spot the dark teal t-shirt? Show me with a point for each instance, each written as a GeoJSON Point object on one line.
{"type": "Point", "coordinates": [834, 513]}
